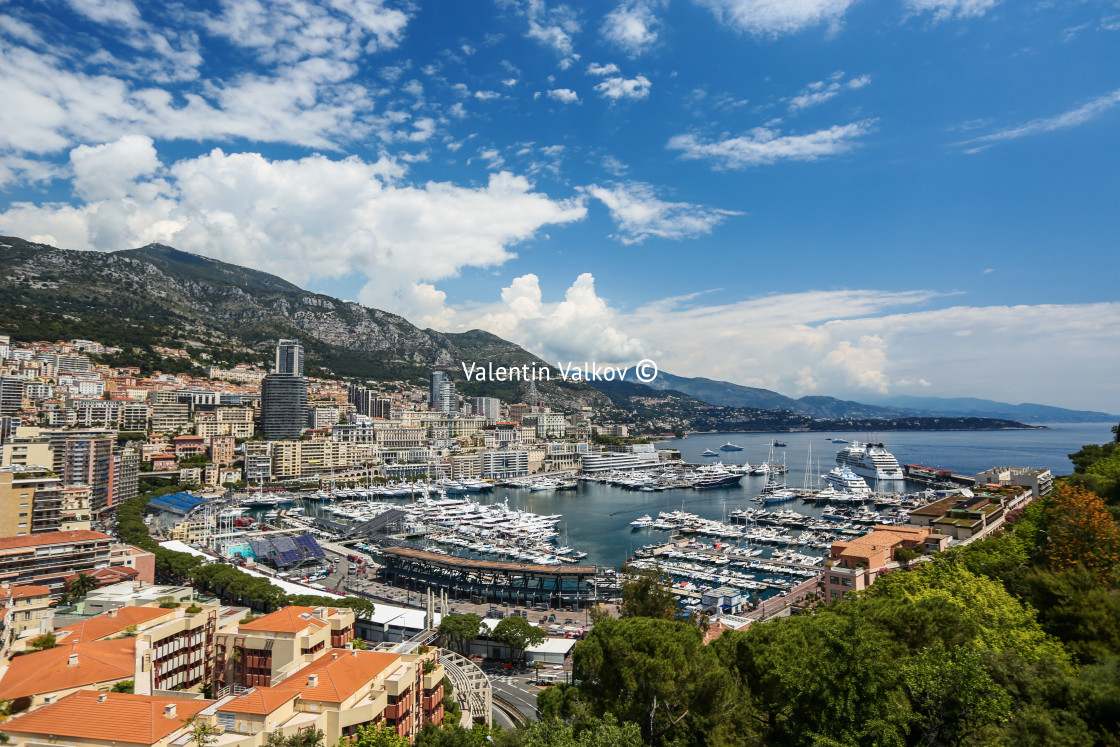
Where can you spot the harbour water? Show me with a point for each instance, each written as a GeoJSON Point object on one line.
{"type": "Point", "coordinates": [597, 516]}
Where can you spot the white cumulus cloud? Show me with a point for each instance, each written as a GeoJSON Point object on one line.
{"type": "Point", "coordinates": [945, 9]}
{"type": "Point", "coordinates": [639, 214]}
{"type": "Point", "coordinates": [764, 145]}
{"type": "Point", "coordinates": [633, 25]}
{"type": "Point", "coordinates": [564, 95]}
{"type": "Point", "coordinates": [624, 88]}
{"type": "Point", "coordinates": [776, 17]}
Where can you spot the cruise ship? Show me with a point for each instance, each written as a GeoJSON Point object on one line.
{"type": "Point", "coordinates": [730, 447]}
{"type": "Point", "coordinates": [872, 461]}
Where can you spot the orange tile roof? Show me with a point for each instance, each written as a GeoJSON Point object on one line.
{"type": "Point", "coordinates": [259, 700]}
{"type": "Point", "coordinates": [19, 592]}
{"type": "Point", "coordinates": [339, 674]}
{"type": "Point", "coordinates": [291, 619]}
{"type": "Point", "coordinates": [50, 538]}
{"type": "Point", "coordinates": [111, 623]}
{"type": "Point", "coordinates": [122, 717]}
{"type": "Point", "coordinates": [50, 670]}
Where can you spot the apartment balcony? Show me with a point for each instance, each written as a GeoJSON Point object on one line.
{"type": "Point", "coordinates": [370, 708]}
{"type": "Point", "coordinates": [434, 678]}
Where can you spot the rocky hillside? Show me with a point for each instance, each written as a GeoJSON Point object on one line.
{"type": "Point", "coordinates": [159, 295]}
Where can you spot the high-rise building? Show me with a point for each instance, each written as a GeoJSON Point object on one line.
{"type": "Point", "coordinates": [487, 407]}
{"type": "Point", "coordinates": [435, 382]}
{"type": "Point", "coordinates": [289, 358]}
{"type": "Point", "coordinates": [11, 395]}
{"type": "Point", "coordinates": [284, 394]}
{"type": "Point", "coordinates": [126, 476]}
{"type": "Point", "coordinates": [86, 458]}
{"type": "Point", "coordinates": [283, 406]}
{"type": "Point", "coordinates": [448, 400]}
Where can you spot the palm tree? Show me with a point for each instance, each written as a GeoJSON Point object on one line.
{"type": "Point", "coordinates": [81, 585]}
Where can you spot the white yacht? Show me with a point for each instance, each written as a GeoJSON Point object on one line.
{"type": "Point", "coordinates": [872, 461]}
{"type": "Point", "coordinates": [845, 480]}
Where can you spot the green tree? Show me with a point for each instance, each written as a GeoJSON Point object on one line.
{"type": "Point", "coordinates": [124, 686]}
{"type": "Point", "coordinates": [833, 678]}
{"type": "Point", "coordinates": [459, 630]}
{"type": "Point", "coordinates": [518, 634]}
{"type": "Point", "coordinates": [375, 736]}
{"type": "Point", "coordinates": [954, 699]}
{"type": "Point", "coordinates": [307, 738]}
{"type": "Point", "coordinates": [656, 673]}
{"type": "Point", "coordinates": [81, 585]}
{"type": "Point", "coordinates": [1078, 610]}
{"type": "Point", "coordinates": [201, 732]}
{"type": "Point", "coordinates": [43, 642]}
{"type": "Point", "coordinates": [647, 593]}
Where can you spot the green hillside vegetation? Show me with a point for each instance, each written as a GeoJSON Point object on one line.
{"type": "Point", "coordinates": [1013, 640]}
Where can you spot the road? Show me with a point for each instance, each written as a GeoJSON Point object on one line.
{"type": "Point", "coordinates": [517, 693]}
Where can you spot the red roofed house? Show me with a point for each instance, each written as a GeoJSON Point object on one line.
{"type": "Point", "coordinates": [45, 676]}
{"type": "Point", "coordinates": [857, 560]}
{"type": "Point", "coordinates": [88, 718]}
{"type": "Point", "coordinates": [265, 650]}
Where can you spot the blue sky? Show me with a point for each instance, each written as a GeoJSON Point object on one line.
{"type": "Point", "coordinates": [854, 198]}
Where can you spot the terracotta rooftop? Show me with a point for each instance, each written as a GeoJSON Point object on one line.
{"type": "Point", "coordinates": [121, 717]}
{"type": "Point", "coordinates": [339, 673]}
{"type": "Point", "coordinates": [291, 619]}
{"type": "Point", "coordinates": [109, 624]}
{"type": "Point", "coordinates": [51, 538]}
{"type": "Point", "coordinates": [51, 670]}
{"type": "Point", "coordinates": [260, 700]}
{"type": "Point", "coordinates": [20, 592]}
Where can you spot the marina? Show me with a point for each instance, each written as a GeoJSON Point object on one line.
{"type": "Point", "coordinates": [664, 515]}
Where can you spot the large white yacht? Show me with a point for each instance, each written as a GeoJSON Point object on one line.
{"type": "Point", "coordinates": [872, 461]}
{"type": "Point", "coordinates": [844, 480]}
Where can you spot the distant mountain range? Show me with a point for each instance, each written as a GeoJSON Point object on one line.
{"type": "Point", "coordinates": [735, 395]}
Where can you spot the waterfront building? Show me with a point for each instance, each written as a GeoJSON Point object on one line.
{"type": "Point", "coordinates": [633, 456]}
{"type": "Point", "coordinates": [503, 464]}
{"type": "Point", "coordinates": [258, 461]}
{"type": "Point", "coordinates": [304, 458]}
{"type": "Point", "coordinates": [856, 562]}
{"type": "Point", "coordinates": [1039, 480]}
{"type": "Point", "coordinates": [963, 517]}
